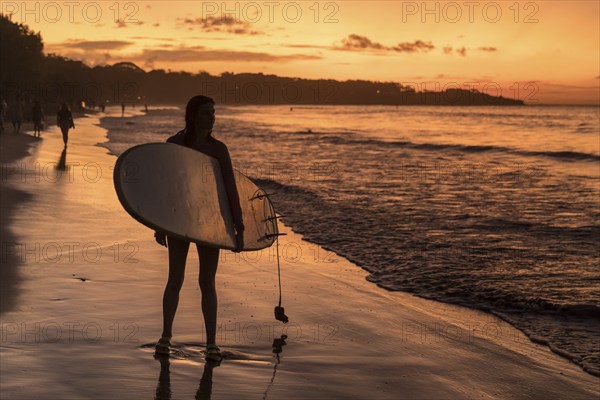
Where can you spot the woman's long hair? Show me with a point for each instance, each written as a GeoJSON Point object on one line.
{"type": "Point", "coordinates": [191, 114]}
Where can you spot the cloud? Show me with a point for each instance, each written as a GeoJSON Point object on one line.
{"type": "Point", "coordinates": [416, 46]}
{"type": "Point", "coordinates": [152, 38]}
{"type": "Point", "coordinates": [488, 49]}
{"type": "Point", "coordinates": [461, 51]}
{"type": "Point", "coordinates": [90, 45]}
{"type": "Point", "coordinates": [356, 43]}
{"type": "Point", "coordinates": [199, 53]}
{"type": "Point", "coordinates": [305, 46]}
{"type": "Point", "coordinates": [226, 24]}
{"type": "Point", "coordinates": [360, 42]}
{"type": "Point", "coordinates": [122, 24]}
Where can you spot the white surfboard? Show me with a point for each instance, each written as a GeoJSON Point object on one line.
{"type": "Point", "coordinates": [181, 192]}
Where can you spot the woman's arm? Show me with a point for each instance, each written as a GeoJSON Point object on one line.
{"type": "Point", "coordinates": [231, 188]}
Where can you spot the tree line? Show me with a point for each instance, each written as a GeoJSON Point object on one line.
{"type": "Point", "coordinates": [27, 73]}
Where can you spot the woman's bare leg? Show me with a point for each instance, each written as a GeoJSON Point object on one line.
{"type": "Point", "coordinates": [209, 260]}
{"type": "Point", "coordinates": [178, 250]}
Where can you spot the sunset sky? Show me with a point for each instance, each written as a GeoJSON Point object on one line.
{"type": "Point", "coordinates": [547, 50]}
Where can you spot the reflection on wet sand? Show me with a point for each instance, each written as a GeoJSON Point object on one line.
{"type": "Point", "coordinates": [204, 392]}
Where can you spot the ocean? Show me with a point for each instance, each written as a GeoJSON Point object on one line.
{"type": "Point", "coordinates": [495, 208]}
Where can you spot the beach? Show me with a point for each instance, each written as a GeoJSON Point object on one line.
{"type": "Point", "coordinates": [84, 309]}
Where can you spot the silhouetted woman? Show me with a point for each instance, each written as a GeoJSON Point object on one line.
{"type": "Point", "coordinates": [37, 116]}
{"type": "Point", "coordinates": [64, 119]}
{"type": "Point", "coordinates": [199, 121]}
{"type": "Point", "coordinates": [16, 114]}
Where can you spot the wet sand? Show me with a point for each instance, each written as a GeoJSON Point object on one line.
{"type": "Point", "coordinates": [87, 310]}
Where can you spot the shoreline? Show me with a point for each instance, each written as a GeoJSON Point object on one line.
{"type": "Point", "coordinates": [341, 325]}
{"type": "Point", "coordinates": [13, 148]}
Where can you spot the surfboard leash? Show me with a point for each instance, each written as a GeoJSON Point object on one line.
{"type": "Point", "coordinates": [279, 310]}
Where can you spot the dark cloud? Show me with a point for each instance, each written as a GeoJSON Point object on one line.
{"type": "Point", "coordinates": [122, 24]}
{"type": "Point", "coordinates": [353, 42]}
{"type": "Point", "coordinates": [488, 49]}
{"type": "Point", "coordinates": [305, 46]}
{"type": "Point", "coordinates": [226, 24]}
{"type": "Point", "coordinates": [414, 47]}
{"type": "Point", "coordinates": [356, 43]}
{"type": "Point", "coordinates": [91, 45]}
{"type": "Point", "coordinates": [198, 53]}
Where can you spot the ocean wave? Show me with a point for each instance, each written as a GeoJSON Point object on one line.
{"type": "Point", "coordinates": [561, 155]}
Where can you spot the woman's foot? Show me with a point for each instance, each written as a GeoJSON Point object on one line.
{"type": "Point", "coordinates": [163, 346]}
{"type": "Point", "coordinates": [213, 352]}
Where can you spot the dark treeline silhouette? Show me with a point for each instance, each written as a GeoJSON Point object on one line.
{"type": "Point", "coordinates": [28, 74]}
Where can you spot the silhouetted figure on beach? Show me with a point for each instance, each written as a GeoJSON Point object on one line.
{"type": "Point", "coordinates": [15, 111]}
{"type": "Point", "coordinates": [103, 106]}
{"type": "Point", "coordinates": [122, 109]}
{"type": "Point", "coordinates": [64, 119]}
{"type": "Point", "coordinates": [3, 109]}
{"type": "Point", "coordinates": [199, 122]}
{"type": "Point", "coordinates": [37, 116]}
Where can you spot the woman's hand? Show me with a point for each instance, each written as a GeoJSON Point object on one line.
{"type": "Point", "coordinates": [160, 238]}
{"type": "Point", "coordinates": [239, 241]}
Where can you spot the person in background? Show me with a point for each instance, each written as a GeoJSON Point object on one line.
{"type": "Point", "coordinates": [16, 114]}
{"type": "Point", "coordinates": [64, 119]}
{"type": "Point", "coordinates": [3, 108]}
{"type": "Point", "coordinates": [37, 116]}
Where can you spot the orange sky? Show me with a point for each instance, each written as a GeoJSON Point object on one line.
{"type": "Point", "coordinates": [544, 52]}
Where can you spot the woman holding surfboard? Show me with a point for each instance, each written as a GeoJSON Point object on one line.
{"type": "Point", "coordinates": [199, 122]}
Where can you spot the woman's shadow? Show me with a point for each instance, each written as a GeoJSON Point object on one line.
{"type": "Point", "coordinates": [61, 165]}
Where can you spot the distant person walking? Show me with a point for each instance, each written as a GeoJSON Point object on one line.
{"type": "Point", "coordinates": [64, 119]}
{"type": "Point", "coordinates": [3, 108]}
{"type": "Point", "coordinates": [16, 115]}
{"type": "Point", "coordinates": [37, 116]}
{"type": "Point", "coordinates": [122, 109]}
